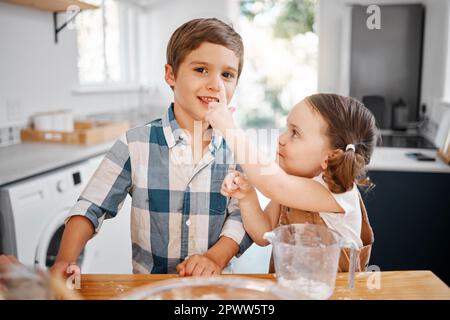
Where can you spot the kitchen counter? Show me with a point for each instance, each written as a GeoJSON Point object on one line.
{"type": "Point", "coordinates": [28, 159]}
{"type": "Point", "coordinates": [395, 159]}
{"type": "Point", "coordinates": [393, 285]}
{"type": "Point", "coordinates": [24, 160]}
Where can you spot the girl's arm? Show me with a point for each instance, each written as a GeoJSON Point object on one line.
{"type": "Point", "coordinates": [265, 174]}
{"type": "Point", "coordinates": [256, 221]}
{"type": "Point", "coordinates": [275, 183]}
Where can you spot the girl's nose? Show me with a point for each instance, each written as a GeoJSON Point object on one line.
{"type": "Point", "coordinates": [281, 140]}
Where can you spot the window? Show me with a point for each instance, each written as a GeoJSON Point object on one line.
{"type": "Point", "coordinates": [281, 59]}
{"type": "Point", "coordinates": [105, 46]}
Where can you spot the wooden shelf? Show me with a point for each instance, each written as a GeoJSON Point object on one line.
{"type": "Point", "coordinates": [52, 5]}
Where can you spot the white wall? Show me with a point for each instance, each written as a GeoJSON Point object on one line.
{"type": "Point", "coordinates": [334, 51]}
{"type": "Point", "coordinates": [166, 17]}
{"type": "Point", "coordinates": [38, 75]}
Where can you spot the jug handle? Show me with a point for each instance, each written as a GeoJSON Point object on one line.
{"type": "Point", "coordinates": [352, 266]}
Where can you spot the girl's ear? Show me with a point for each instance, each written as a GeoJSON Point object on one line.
{"type": "Point", "coordinates": [324, 162]}
{"type": "Point", "coordinates": [330, 154]}
{"type": "Point", "coordinates": [169, 76]}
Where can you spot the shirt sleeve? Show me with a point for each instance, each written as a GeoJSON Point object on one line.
{"type": "Point", "coordinates": [107, 189]}
{"type": "Point", "coordinates": [233, 226]}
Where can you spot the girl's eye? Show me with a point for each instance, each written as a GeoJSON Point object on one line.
{"type": "Point", "coordinates": [295, 134]}
{"type": "Point", "coordinates": [201, 70]}
{"type": "Point", "coordinates": [228, 75]}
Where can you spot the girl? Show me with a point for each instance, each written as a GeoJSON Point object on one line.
{"type": "Point", "coordinates": [321, 158]}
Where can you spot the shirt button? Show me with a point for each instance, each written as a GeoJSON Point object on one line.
{"type": "Point", "coordinates": [188, 222]}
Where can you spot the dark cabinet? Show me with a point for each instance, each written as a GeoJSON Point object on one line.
{"type": "Point", "coordinates": [410, 215]}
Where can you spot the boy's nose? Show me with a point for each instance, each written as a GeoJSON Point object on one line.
{"type": "Point", "coordinates": [214, 84]}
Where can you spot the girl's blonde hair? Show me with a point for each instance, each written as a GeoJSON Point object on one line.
{"type": "Point", "coordinates": [349, 122]}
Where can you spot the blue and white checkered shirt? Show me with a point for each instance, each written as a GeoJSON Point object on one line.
{"type": "Point", "coordinates": [177, 209]}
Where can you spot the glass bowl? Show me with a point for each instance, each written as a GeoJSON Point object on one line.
{"type": "Point", "coordinates": [212, 288]}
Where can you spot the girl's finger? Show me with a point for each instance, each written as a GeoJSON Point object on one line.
{"type": "Point", "coordinates": [225, 194]}
{"type": "Point", "coordinates": [228, 181]}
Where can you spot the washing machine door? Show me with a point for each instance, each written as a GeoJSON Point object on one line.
{"type": "Point", "coordinates": [50, 240]}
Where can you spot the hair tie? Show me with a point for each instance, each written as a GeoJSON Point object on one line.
{"type": "Point", "coordinates": [350, 146]}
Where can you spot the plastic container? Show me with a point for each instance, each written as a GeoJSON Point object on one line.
{"type": "Point", "coordinates": [212, 288]}
{"type": "Point", "coordinates": [306, 258]}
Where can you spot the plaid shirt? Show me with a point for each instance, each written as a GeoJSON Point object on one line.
{"type": "Point", "coordinates": [177, 209]}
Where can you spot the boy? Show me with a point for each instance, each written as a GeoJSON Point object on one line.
{"type": "Point", "coordinates": [173, 168]}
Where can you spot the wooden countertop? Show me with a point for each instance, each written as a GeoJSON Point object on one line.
{"type": "Point", "coordinates": [393, 285]}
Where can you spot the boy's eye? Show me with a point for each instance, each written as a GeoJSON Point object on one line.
{"type": "Point", "coordinates": [200, 69]}
{"type": "Point", "coordinates": [228, 75]}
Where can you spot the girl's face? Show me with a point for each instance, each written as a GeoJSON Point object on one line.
{"type": "Point", "coordinates": [303, 148]}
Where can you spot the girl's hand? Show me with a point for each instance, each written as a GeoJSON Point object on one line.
{"type": "Point", "coordinates": [219, 116]}
{"type": "Point", "coordinates": [236, 185]}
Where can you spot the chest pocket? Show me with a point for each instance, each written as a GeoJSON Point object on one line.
{"type": "Point", "coordinates": [217, 202]}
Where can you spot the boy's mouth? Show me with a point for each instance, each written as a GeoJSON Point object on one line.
{"type": "Point", "coordinates": [207, 100]}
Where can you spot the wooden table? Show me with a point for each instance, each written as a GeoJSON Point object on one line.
{"type": "Point", "coordinates": [392, 285]}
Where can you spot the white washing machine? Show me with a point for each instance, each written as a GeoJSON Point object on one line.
{"type": "Point", "coordinates": [32, 214]}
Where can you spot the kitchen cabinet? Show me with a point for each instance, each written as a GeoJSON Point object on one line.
{"type": "Point", "coordinates": [410, 215]}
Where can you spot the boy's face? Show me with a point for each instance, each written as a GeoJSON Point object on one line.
{"type": "Point", "coordinates": [198, 78]}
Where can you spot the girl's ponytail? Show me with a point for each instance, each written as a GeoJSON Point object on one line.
{"type": "Point", "coordinates": [352, 134]}
{"type": "Point", "coordinates": [344, 168]}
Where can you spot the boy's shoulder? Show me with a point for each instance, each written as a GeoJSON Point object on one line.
{"type": "Point", "coordinates": [147, 132]}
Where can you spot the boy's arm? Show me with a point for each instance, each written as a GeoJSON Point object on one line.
{"type": "Point", "coordinates": [212, 262]}
{"type": "Point", "coordinates": [101, 199]}
{"type": "Point", "coordinates": [76, 234]}
{"type": "Point", "coordinates": [222, 251]}
{"type": "Point", "coordinates": [233, 228]}
{"type": "Point", "coordinates": [233, 240]}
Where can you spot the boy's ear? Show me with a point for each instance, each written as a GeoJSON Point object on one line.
{"type": "Point", "coordinates": [169, 75]}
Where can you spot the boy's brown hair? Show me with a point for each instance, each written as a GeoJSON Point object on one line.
{"type": "Point", "coordinates": [192, 34]}
{"type": "Point", "coordinates": [349, 122]}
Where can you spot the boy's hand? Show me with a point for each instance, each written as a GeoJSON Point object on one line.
{"type": "Point", "coordinates": [219, 116]}
{"type": "Point", "coordinates": [236, 185]}
{"type": "Point", "coordinates": [64, 269]}
{"type": "Point", "coordinates": [8, 260]}
{"type": "Point", "coordinates": [198, 265]}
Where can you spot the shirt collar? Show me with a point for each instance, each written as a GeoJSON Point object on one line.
{"type": "Point", "coordinates": [172, 131]}
{"type": "Point", "coordinates": [174, 134]}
